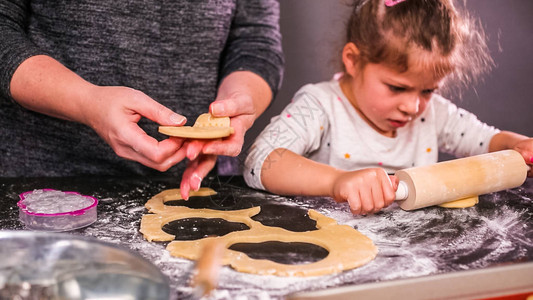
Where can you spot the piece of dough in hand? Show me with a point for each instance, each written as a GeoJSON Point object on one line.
{"type": "Point", "coordinates": [205, 127]}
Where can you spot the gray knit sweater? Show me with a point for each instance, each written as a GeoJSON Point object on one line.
{"type": "Point", "coordinates": [174, 51]}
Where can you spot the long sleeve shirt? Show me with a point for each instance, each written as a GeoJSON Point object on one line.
{"type": "Point", "coordinates": [322, 125]}
{"type": "Point", "coordinates": [176, 52]}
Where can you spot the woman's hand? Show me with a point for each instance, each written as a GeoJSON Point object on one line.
{"type": "Point", "coordinates": [44, 85]}
{"type": "Point", "coordinates": [242, 97]}
{"type": "Point", "coordinates": [367, 190]}
{"type": "Point", "coordinates": [203, 153]}
{"type": "Point", "coordinates": [113, 113]}
{"type": "Point", "coordinates": [196, 170]}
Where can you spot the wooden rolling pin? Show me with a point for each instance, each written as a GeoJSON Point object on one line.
{"type": "Point", "coordinates": [207, 268]}
{"type": "Point", "coordinates": [460, 178]}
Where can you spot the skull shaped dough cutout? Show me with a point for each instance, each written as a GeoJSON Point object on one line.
{"type": "Point", "coordinates": [205, 127]}
{"type": "Point", "coordinates": [347, 247]}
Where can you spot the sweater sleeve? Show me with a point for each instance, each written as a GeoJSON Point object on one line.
{"type": "Point", "coordinates": [15, 46]}
{"type": "Point", "coordinates": [254, 42]}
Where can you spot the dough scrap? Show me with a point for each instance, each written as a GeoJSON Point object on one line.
{"type": "Point", "coordinates": [205, 127]}
{"type": "Point", "coordinates": [461, 203]}
{"type": "Point", "coordinates": [347, 247]}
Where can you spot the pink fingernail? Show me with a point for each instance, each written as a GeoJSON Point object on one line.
{"type": "Point", "coordinates": [184, 195]}
{"type": "Point", "coordinates": [191, 155]}
{"type": "Point", "coordinates": [196, 181]}
{"type": "Point", "coordinates": [531, 159]}
{"type": "Point", "coordinates": [217, 109]}
{"type": "Point", "coordinates": [177, 119]}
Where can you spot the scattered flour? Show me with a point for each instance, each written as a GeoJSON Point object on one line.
{"type": "Point", "coordinates": [411, 244]}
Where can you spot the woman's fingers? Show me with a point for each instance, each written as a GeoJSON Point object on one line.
{"type": "Point", "coordinates": [195, 173]}
{"type": "Point", "coordinates": [194, 148]}
{"type": "Point", "coordinates": [117, 124]}
{"type": "Point", "coordinates": [230, 146]}
{"type": "Point", "coordinates": [235, 105]}
{"type": "Point", "coordinates": [147, 107]}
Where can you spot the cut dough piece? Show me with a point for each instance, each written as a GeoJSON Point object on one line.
{"type": "Point", "coordinates": [461, 203]}
{"type": "Point", "coordinates": [205, 127]}
{"type": "Point", "coordinates": [347, 247]}
{"type": "Point", "coordinates": [196, 132]}
{"type": "Point", "coordinates": [207, 120]}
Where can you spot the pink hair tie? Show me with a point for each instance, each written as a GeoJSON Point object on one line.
{"type": "Point", "coordinates": [390, 3]}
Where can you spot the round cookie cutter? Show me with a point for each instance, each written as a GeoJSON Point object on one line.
{"type": "Point", "coordinates": [60, 221]}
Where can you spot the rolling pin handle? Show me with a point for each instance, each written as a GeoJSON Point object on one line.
{"type": "Point", "coordinates": [402, 192]}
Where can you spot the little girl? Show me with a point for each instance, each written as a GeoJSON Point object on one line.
{"type": "Point", "coordinates": [343, 137]}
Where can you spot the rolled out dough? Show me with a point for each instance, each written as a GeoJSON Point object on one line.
{"type": "Point", "coordinates": [461, 203]}
{"type": "Point", "coordinates": [347, 247]}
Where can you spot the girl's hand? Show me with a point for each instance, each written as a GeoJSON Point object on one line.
{"type": "Point", "coordinates": [525, 147]}
{"type": "Point", "coordinates": [367, 190]}
{"type": "Point", "coordinates": [113, 112]}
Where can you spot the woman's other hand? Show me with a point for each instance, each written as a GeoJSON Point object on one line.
{"type": "Point", "coordinates": [114, 113]}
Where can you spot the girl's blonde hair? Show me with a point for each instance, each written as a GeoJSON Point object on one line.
{"type": "Point", "coordinates": [432, 34]}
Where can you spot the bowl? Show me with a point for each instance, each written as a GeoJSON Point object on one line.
{"type": "Point", "coordinates": [46, 265]}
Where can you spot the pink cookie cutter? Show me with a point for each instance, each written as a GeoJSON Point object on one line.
{"type": "Point", "coordinates": [62, 221]}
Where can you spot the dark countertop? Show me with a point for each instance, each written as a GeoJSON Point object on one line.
{"type": "Point", "coordinates": [497, 231]}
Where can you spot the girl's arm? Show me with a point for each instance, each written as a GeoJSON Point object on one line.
{"type": "Point", "coordinates": [287, 173]}
{"type": "Point", "coordinates": [505, 140]}
{"type": "Point", "coordinates": [510, 140]}
{"type": "Point", "coordinates": [366, 191]}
